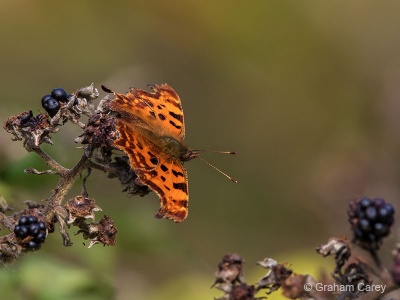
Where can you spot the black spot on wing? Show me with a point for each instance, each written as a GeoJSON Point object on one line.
{"type": "Point", "coordinates": [175, 116]}
{"type": "Point", "coordinates": [161, 116]}
{"type": "Point", "coordinates": [163, 178]}
{"type": "Point", "coordinates": [173, 124]}
{"type": "Point", "coordinates": [177, 173]}
{"type": "Point", "coordinates": [167, 187]}
{"type": "Point", "coordinates": [164, 168]}
{"type": "Point", "coordinates": [154, 160]}
{"type": "Point", "coordinates": [181, 186]}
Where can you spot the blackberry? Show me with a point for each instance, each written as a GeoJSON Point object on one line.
{"type": "Point", "coordinates": [51, 105]}
{"type": "Point", "coordinates": [371, 220]}
{"type": "Point", "coordinates": [31, 231]}
{"type": "Point", "coordinates": [59, 94]}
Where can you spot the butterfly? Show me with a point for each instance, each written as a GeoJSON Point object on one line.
{"type": "Point", "coordinates": [151, 131]}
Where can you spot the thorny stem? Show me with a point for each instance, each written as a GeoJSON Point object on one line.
{"type": "Point", "coordinates": [67, 179]}
{"type": "Point", "coordinates": [50, 161]}
{"type": "Point", "coordinates": [376, 259]}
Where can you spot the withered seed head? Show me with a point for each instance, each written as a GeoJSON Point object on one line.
{"type": "Point", "coordinates": [107, 231]}
{"type": "Point", "coordinates": [230, 270]}
{"type": "Point", "coordinates": [275, 277]}
{"type": "Point", "coordinates": [339, 247]}
{"type": "Point", "coordinates": [81, 207]}
{"type": "Point", "coordinates": [34, 130]}
{"type": "Point", "coordinates": [99, 131]}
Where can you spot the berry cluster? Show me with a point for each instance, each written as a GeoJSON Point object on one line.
{"type": "Point", "coordinates": [371, 220]}
{"type": "Point", "coordinates": [51, 103]}
{"type": "Point", "coordinates": [30, 226]}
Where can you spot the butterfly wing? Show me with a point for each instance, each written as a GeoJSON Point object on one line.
{"type": "Point", "coordinates": [141, 151]}
{"type": "Point", "coordinates": [169, 181]}
{"type": "Point", "coordinates": [161, 110]}
{"type": "Point", "coordinates": [164, 175]}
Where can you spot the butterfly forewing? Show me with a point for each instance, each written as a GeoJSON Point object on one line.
{"type": "Point", "coordinates": [160, 109]}
{"type": "Point", "coordinates": [141, 151]}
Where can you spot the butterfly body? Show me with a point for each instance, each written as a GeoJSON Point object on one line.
{"type": "Point", "coordinates": [151, 130]}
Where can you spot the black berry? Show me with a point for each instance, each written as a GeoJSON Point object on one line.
{"type": "Point", "coordinates": [59, 94]}
{"type": "Point", "coordinates": [371, 213]}
{"type": "Point", "coordinates": [32, 219]}
{"type": "Point", "coordinates": [42, 226]}
{"type": "Point", "coordinates": [364, 203]}
{"type": "Point", "coordinates": [371, 220]}
{"type": "Point", "coordinates": [45, 99]}
{"type": "Point", "coordinates": [32, 245]}
{"type": "Point", "coordinates": [364, 225]}
{"type": "Point", "coordinates": [51, 105]}
{"type": "Point", "coordinates": [40, 237]}
{"type": "Point", "coordinates": [32, 231]}
{"type": "Point", "coordinates": [21, 231]}
{"type": "Point", "coordinates": [23, 220]}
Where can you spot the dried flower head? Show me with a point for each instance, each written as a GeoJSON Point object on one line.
{"type": "Point", "coordinates": [339, 247]}
{"type": "Point", "coordinates": [103, 232]}
{"type": "Point", "coordinates": [275, 277]}
{"type": "Point", "coordinates": [81, 207]}
{"type": "Point", "coordinates": [33, 130]}
{"type": "Point", "coordinates": [230, 270]}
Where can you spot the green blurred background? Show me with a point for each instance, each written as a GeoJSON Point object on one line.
{"type": "Point", "coordinates": [307, 93]}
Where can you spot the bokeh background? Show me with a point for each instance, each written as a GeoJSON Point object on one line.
{"type": "Point", "coordinates": [307, 93]}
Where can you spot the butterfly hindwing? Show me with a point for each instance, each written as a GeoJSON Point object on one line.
{"type": "Point", "coordinates": [169, 181]}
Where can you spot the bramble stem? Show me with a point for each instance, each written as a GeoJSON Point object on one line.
{"type": "Point", "coordinates": [68, 177]}
{"type": "Point", "coordinates": [50, 161]}
{"type": "Point", "coordinates": [376, 259]}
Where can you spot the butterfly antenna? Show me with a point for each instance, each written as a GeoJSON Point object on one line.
{"type": "Point", "coordinates": [215, 168]}
{"type": "Point", "coordinates": [216, 151]}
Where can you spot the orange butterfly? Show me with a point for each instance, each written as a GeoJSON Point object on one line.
{"type": "Point", "coordinates": [151, 132]}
